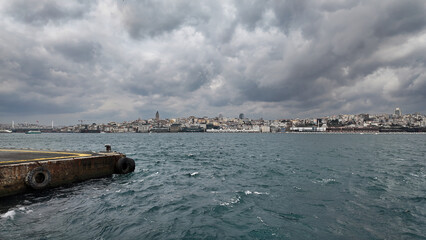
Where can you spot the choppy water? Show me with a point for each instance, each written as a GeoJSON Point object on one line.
{"type": "Point", "coordinates": [232, 186]}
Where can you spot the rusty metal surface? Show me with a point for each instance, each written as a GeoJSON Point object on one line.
{"type": "Point", "coordinates": [63, 170]}
{"type": "Point", "coordinates": [15, 156]}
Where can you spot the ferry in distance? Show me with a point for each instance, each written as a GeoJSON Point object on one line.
{"type": "Point", "coordinates": [5, 131]}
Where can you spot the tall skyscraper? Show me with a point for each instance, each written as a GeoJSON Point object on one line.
{"type": "Point", "coordinates": [398, 112]}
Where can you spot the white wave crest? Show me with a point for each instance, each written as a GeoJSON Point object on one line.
{"type": "Point", "coordinates": [10, 214]}
{"type": "Point", "coordinates": [231, 202]}
{"type": "Point", "coordinates": [325, 181]}
{"type": "Point", "coordinates": [248, 192]}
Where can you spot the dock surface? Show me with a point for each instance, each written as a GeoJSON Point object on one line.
{"type": "Point", "coordinates": [23, 170]}
{"type": "Point", "coordinates": [16, 156]}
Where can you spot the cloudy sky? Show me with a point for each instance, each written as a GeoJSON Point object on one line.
{"type": "Point", "coordinates": [102, 61]}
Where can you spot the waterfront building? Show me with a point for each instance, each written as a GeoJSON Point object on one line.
{"type": "Point", "coordinates": [159, 129]}
{"type": "Point", "coordinates": [175, 127]}
{"type": "Point", "coordinates": [193, 128]}
{"type": "Point", "coordinates": [265, 129]}
{"type": "Point", "coordinates": [323, 128]}
{"type": "Point", "coordinates": [144, 128]}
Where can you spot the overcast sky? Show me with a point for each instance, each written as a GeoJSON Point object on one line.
{"type": "Point", "coordinates": [102, 61]}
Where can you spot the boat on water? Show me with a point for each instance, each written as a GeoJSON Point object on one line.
{"type": "Point", "coordinates": [33, 132]}
{"type": "Point", "coordinates": [5, 131]}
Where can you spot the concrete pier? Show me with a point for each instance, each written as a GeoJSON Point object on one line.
{"type": "Point", "coordinates": [32, 170]}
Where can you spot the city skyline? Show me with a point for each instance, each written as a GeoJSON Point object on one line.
{"type": "Point", "coordinates": [397, 112]}
{"type": "Point", "coordinates": [116, 60]}
{"type": "Point", "coordinates": [369, 123]}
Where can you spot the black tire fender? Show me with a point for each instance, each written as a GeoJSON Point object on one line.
{"type": "Point", "coordinates": [38, 178]}
{"type": "Point", "coordinates": [125, 165]}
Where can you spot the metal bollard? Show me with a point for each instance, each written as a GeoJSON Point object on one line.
{"type": "Point", "coordinates": [108, 147]}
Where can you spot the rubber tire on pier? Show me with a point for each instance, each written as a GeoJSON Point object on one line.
{"type": "Point", "coordinates": [125, 165]}
{"type": "Point", "coordinates": [38, 178]}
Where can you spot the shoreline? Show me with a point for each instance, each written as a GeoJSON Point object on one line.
{"type": "Point", "coordinates": [239, 132]}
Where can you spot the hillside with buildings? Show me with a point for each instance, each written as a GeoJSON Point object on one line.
{"type": "Point", "coordinates": [396, 122]}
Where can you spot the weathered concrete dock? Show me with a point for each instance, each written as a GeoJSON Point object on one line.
{"type": "Point", "coordinates": [30, 170]}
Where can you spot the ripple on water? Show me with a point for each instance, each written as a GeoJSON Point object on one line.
{"type": "Point", "coordinates": [232, 186]}
{"type": "Point", "coordinates": [326, 181]}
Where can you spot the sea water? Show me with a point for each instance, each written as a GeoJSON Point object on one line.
{"type": "Point", "coordinates": [231, 186]}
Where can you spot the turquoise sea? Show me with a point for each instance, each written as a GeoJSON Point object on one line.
{"type": "Point", "coordinates": [231, 186]}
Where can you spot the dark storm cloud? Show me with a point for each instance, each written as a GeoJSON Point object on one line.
{"type": "Point", "coordinates": [251, 12]}
{"type": "Point", "coordinates": [167, 81]}
{"type": "Point", "coordinates": [343, 39]}
{"type": "Point", "coordinates": [35, 79]}
{"type": "Point", "coordinates": [401, 18]}
{"type": "Point", "coordinates": [151, 18]}
{"type": "Point", "coordinates": [42, 12]}
{"type": "Point", "coordinates": [32, 104]}
{"type": "Point", "coordinates": [292, 57]}
{"type": "Point", "coordinates": [78, 51]}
